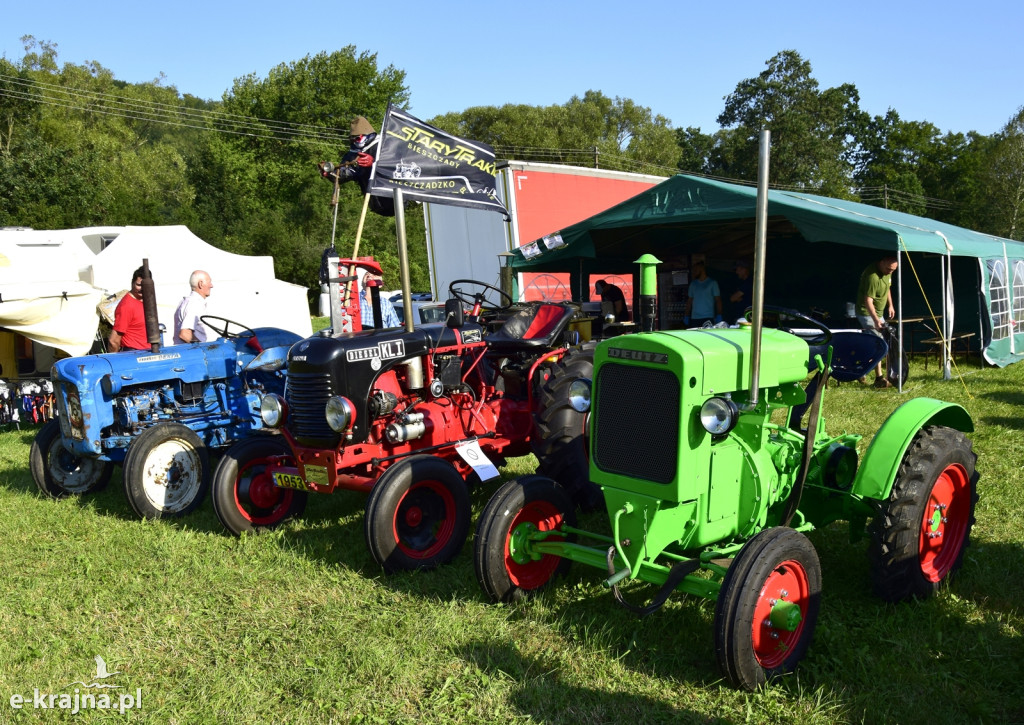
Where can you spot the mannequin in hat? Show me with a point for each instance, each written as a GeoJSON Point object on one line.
{"type": "Point", "coordinates": [357, 163]}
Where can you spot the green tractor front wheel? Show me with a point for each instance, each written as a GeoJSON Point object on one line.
{"type": "Point", "coordinates": [767, 608]}
{"type": "Point", "coordinates": [522, 508]}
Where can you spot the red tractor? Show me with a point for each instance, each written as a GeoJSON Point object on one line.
{"type": "Point", "coordinates": [408, 417]}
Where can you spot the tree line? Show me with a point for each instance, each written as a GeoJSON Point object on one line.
{"type": "Point", "coordinates": [80, 148]}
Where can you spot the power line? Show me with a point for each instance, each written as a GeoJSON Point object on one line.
{"type": "Point", "coordinates": [887, 193]}
{"type": "Point", "coordinates": [135, 109]}
{"type": "Point", "coordinates": [180, 116]}
{"type": "Point", "coordinates": [176, 109]}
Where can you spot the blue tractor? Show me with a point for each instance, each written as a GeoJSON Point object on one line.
{"type": "Point", "coordinates": [158, 413]}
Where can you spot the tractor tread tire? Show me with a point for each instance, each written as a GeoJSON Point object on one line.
{"type": "Point", "coordinates": [896, 531]}
{"type": "Point", "coordinates": [559, 442]}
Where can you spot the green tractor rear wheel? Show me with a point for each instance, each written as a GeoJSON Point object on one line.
{"type": "Point", "coordinates": [767, 608]}
{"type": "Point", "coordinates": [919, 538]}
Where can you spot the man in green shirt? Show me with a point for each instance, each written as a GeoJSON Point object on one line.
{"type": "Point", "coordinates": [874, 299]}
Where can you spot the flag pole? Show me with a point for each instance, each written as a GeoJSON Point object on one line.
{"type": "Point", "coordinates": [359, 228]}
{"type": "Point", "coordinates": [334, 203]}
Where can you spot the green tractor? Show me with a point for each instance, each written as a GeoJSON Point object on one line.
{"type": "Point", "coordinates": [713, 458]}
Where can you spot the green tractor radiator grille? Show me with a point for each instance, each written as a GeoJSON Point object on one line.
{"type": "Point", "coordinates": [637, 427]}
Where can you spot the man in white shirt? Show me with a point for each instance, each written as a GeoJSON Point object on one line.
{"type": "Point", "coordinates": [187, 325]}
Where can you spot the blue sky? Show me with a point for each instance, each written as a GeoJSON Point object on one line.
{"type": "Point", "coordinates": [954, 64]}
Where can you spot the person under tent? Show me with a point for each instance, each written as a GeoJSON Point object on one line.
{"type": "Point", "coordinates": [612, 294]}
{"type": "Point", "coordinates": [704, 299]}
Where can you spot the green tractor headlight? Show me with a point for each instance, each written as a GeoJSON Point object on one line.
{"type": "Point", "coordinates": [579, 395]}
{"type": "Point", "coordinates": [719, 415]}
{"type": "Point", "coordinates": [340, 413]}
{"type": "Point", "coordinates": [273, 410]}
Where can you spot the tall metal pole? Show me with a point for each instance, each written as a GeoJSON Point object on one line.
{"type": "Point", "coordinates": [947, 313]}
{"type": "Point", "coordinates": [760, 243]}
{"type": "Point", "coordinates": [899, 316]}
{"type": "Point", "coordinates": [403, 259]}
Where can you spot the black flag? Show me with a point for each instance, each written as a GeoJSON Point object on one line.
{"type": "Point", "coordinates": [430, 165]}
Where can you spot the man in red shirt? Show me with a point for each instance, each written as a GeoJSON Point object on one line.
{"type": "Point", "coordinates": [129, 331]}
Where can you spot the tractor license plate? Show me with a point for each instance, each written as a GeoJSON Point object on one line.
{"type": "Point", "coordinates": [314, 474]}
{"type": "Point", "coordinates": [290, 480]}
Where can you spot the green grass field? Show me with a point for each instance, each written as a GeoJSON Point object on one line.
{"type": "Point", "coordinates": [299, 625]}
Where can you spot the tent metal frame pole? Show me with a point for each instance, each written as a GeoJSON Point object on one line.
{"type": "Point", "coordinates": [947, 327]}
{"type": "Point", "coordinates": [899, 317]}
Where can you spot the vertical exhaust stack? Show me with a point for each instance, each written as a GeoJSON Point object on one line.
{"type": "Point", "coordinates": [403, 259]}
{"type": "Point", "coordinates": [149, 308]}
{"type": "Point", "coordinates": [760, 243]}
{"type": "Point", "coordinates": [648, 291]}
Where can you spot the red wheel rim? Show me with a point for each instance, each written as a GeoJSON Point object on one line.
{"type": "Point", "coordinates": [787, 583]}
{"type": "Point", "coordinates": [257, 498]}
{"type": "Point", "coordinates": [527, 573]}
{"type": "Point", "coordinates": [424, 520]}
{"type": "Point", "coordinates": [944, 524]}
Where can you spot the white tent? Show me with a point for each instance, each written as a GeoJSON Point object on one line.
{"type": "Point", "coordinates": [51, 281]}
{"type": "Point", "coordinates": [42, 295]}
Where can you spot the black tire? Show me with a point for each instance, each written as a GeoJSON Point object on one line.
{"type": "Point", "coordinates": [919, 538]}
{"type": "Point", "coordinates": [418, 514]}
{"type": "Point", "coordinates": [166, 471]}
{"type": "Point", "coordinates": [560, 441]}
{"type": "Point", "coordinates": [244, 495]}
{"type": "Point", "coordinates": [58, 472]}
{"type": "Point", "coordinates": [528, 503]}
{"type": "Point", "coordinates": [778, 565]}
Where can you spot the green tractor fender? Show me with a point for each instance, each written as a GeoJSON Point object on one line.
{"type": "Point", "coordinates": [877, 471]}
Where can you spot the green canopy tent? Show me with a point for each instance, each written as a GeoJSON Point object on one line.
{"type": "Point", "coordinates": [817, 248]}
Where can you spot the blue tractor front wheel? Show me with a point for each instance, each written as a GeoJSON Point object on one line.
{"type": "Point", "coordinates": [58, 473]}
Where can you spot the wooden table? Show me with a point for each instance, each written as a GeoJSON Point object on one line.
{"type": "Point", "coordinates": [920, 325]}
{"type": "Point", "coordinates": [958, 342]}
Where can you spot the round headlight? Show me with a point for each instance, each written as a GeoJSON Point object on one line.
{"type": "Point", "coordinates": [579, 395]}
{"type": "Point", "coordinates": [273, 410]}
{"type": "Point", "coordinates": [718, 415]}
{"type": "Point", "coordinates": [340, 413]}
